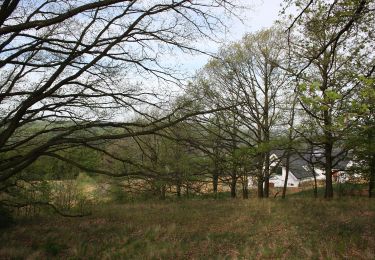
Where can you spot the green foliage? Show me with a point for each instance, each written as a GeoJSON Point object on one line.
{"type": "Point", "coordinates": [49, 168]}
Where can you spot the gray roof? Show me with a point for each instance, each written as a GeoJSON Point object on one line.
{"type": "Point", "coordinates": [302, 162]}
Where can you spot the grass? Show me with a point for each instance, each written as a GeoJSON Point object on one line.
{"type": "Point", "coordinates": [339, 189]}
{"type": "Point", "coordinates": [200, 229]}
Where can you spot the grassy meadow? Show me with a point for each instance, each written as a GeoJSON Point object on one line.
{"type": "Point", "coordinates": [295, 228]}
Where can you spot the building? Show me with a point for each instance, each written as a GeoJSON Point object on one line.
{"type": "Point", "coordinates": [303, 167]}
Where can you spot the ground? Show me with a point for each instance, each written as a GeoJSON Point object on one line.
{"type": "Point", "coordinates": [296, 228]}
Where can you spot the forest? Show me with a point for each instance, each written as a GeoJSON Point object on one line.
{"type": "Point", "coordinates": [111, 148]}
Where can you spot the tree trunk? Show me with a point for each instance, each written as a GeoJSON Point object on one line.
{"type": "Point", "coordinates": [215, 181]}
{"type": "Point", "coordinates": [372, 177]}
{"type": "Point", "coordinates": [178, 189]}
{"type": "Point", "coordinates": [371, 184]}
{"type": "Point", "coordinates": [328, 138]}
{"type": "Point", "coordinates": [266, 128]}
{"type": "Point", "coordinates": [287, 164]}
{"type": "Point", "coordinates": [315, 185]}
{"type": "Point", "coordinates": [245, 187]}
{"type": "Point", "coordinates": [267, 175]}
{"type": "Point", "coordinates": [260, 186]}
{"type": "Point", "coordinates": [290, 139]}
{"type": "Point", "coordinates": [162, 192]}
{"type": "Point", "coordinates": [328, 170]}
{"type": "Point", "coordinates": [233, 185]}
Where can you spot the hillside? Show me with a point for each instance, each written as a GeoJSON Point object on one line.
{"type": "Point", "coordinates": [197, 229]}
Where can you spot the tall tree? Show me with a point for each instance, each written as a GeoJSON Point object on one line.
{"type": "Point", "coordinates": [247, 74]}
{"type": "Point", "coordinates": [329, 48]}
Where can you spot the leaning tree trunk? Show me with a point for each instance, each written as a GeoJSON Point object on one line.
{"type": "Point", "coordinates": [287, 165]}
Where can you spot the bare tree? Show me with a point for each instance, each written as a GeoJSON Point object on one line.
{"type": "Point", "coordinates": [79, 72]}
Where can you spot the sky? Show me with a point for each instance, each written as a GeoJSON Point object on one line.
{"type": "Point", "coordinates": [261, 14]}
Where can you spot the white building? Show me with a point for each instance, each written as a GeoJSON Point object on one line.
{"type": "Point", "coordinates": [301, 169]}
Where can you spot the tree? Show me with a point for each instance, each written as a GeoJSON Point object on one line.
{"type": "Point", "coordinates": [361, 138]}
{"type": "Point", "coordinates": [248, 75]}
{"type": "Point", "coordinates": [77, 73]}
{"type": "Point", "coordinates": [328, 46]}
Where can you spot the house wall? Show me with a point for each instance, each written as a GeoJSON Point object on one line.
{"type": "Point", "coordinates": [278, 180]}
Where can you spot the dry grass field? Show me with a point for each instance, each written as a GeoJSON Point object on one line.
{"type": "Point", "coordinates": [297, 228]}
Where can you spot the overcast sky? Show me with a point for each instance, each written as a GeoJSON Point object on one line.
{"type": "Point", "coordinates": [262, 14]}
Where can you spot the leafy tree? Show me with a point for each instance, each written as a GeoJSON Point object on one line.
{"type": "Point", "coordinates": [362, 136]}
{"type": "Point", "coordinates": [329, 47]}
{"type": "Point", "coordinates": [249, 75]}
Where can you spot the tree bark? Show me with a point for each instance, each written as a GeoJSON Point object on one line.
{"type": "Point", "coordinates": [328, 139]}
{"type": "Point", "coordinates": [266, 128]}
{"type": "Point", "coordinates": [233, 185]}
{"type": "Point", "coordinates": [245, 187]}
{"type": "Point", "coordinates": [372, 178]}
{"type": "Point", "coordinates": [290, 139]}
{"type": "Point", "coordinates": [287, 166]}
{"type": "Point", "coordinates": [215, 180]}
{"type": "Point", "coordinates": [328, 169]}
{"type": "Point", "coordinates": [162, 192]}
{"type": "Point", "coordinates": [178, 189]}
{"type": "Point", "coordinates": [260, 186]}
{"type": "Point", "coordinates": [315, 185]}
{"type": "Point", "coordinates": [372, 166]}
{"type": "Point", "coordinates": [187, 190]}
{"type": "Point", "coordinates": [267, 175]}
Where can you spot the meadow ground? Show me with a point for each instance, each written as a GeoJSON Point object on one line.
{"type": "Point", "coordinates": [296, 228]}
